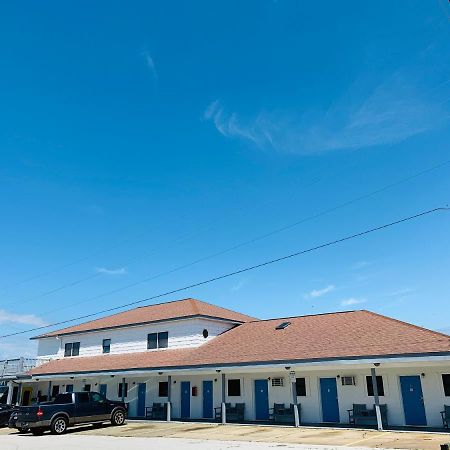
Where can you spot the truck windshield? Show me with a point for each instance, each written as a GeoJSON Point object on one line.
{"type": "Point", "coordinates": [63, 399]}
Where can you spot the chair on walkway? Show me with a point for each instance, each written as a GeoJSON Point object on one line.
{"type": "Point", "coordinates": [361, 415]}
{"type": "Point", "coordinates": [158, 411]}
{"type": "Point", "coordinates": [446, 416]}
{"type": "Point", "coordinates": [233, 413]}
{"type": "Point", "coordinates": [280, 414]}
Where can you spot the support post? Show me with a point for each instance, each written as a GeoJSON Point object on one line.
{"type": "Point", "coordinates": [376, 398]}
{"type": "Point", "coordinates": [169, 387]}
{"type": "Point", "coordinates": [224, 409]}
{"type": "Point", "coordinates": [10, 393]}
{"type": "Point", "coordinates": [123, 390]}
{"type": "Point", "coordinates": [19, 395]}
{"type": "Point", "coordinates": [294, 400]}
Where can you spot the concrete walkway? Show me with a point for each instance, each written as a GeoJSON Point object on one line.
{"type": "Point", "coordinates": [309, 436]}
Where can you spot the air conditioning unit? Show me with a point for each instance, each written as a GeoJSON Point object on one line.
{"type": "Point", "coordinates": [348, 381]}
{"type": "Point", "coordinates": [277, 382]}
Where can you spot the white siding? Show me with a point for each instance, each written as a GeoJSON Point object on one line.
{"type": "Point", "coordinates": [182, 334]}
{"type": "Point", "coordinates": [433, 393]}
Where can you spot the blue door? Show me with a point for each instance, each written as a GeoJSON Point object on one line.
{"type": "Point", "coordinates": [103, 388]}
{"type": "Point", "coordinates": [185, 399]}
{"type": "Point", "coordinates": [207, 399]}
{"type": "Point", "coordinates": [412, 396]}
{"type": "Point", "coordinates": [261, 400]}
{"type": "Point", "coordinates": [142, 388]}
{"type": "Point", "coordinates": [329, 397]}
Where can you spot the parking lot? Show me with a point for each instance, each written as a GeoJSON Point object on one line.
{"type": "Point", "coordinates": [204, 433]}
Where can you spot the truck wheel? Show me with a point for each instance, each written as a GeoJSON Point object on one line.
{"type": "Point", "coordinates": [59, 425]}
{"type": "Point", "coordinates": [118, 417]}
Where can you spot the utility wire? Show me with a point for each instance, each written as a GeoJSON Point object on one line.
{"type": "Point", "coordinates": [205, 258]}
{"type": "Point", "coordinates": [239, 271]}
{"type": "Point", "coordinates": [255, 239]}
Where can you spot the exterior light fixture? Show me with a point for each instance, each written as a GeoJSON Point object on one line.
{"type": "Point", "coordinates": [288, 367]}
{"type": "Point", "coordinates": [218, 370]}
{"type": "Point", "coordinates": [160, 373]}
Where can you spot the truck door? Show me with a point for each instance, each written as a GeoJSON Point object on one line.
{"type": "Point", "coordinates": [99, 406]}
{"type": "Point", "coordinates": [83, 408]}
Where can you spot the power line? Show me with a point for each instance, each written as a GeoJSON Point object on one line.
{"type": "Point", "coordinates": [239, 271]}
{"type": "Point", "coordinates": [257, 238]}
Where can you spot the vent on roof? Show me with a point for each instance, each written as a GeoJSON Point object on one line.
{"type": "Point", "coordinates": [282, 325]}
{"type": "Point", "coordinates": [278, 382]}
{"type": "Point", "coordinates": [348, 381]}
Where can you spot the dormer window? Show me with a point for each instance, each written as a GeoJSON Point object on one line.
{"type": "Point", "coordinates": [158, 340]}
{"type": "Point", "coordinates": [72, 349]}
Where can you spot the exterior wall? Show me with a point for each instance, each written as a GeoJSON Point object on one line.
{"type": "Point", "coordinates": [182, 334]}
{"type": "Point", "coordinates": [311, 411]}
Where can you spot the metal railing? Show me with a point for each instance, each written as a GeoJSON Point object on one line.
{"type": "Point", "coordinates": [18, 366]}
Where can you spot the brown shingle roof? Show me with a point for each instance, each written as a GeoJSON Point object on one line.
{"type": "Point", "coordinates": [188, 307]}
{"type": "Point", "coordinates": [336, 335]}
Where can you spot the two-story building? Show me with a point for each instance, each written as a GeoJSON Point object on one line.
{"type": "Point", "coordinates": [198, 357]}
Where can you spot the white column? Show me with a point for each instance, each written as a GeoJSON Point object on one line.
{"type": "Point", "coordinates": [224, 409]}
{"type": "Point", "coordinates": [169, 387]}
{"type": "Point", "coordinates": [10, 393]}
{"type": "Point", "coordinates": [376, 398]}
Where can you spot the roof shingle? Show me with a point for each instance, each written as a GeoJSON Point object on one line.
{"type": "Point", "coordinates": [188, 307]}
{"type": "Point", "coordinates": [354, 334]}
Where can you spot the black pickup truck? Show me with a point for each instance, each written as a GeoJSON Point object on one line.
{"type": "Point", "coordinates": [69, 409]}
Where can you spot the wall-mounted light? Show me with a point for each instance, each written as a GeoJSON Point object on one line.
{"type": "Point", "coordinates": [215, 380]}
{"type": "Point", "coordinates": [112, 376]}
{"type": "Point", "coordinates": [376, 364]}
{"type": "Point", "coordinates": [423, 375]}
{"type": "Point", "coordinates": [338, 377]}
{"type": "Point", "coordinates": [218, 370]}
{"type": "Point", "coordinates": [288, 367]}
{"type": "Point", "coordinates": [72, 378]}
{"type": "Point", "coordinates": [160, 373]}
{"type": "Point", "coordinates": [95, 384]}
{"type": "Point", "coordinates": [174, 381]}
{"type": "Point", "coordinates": [268, 378]}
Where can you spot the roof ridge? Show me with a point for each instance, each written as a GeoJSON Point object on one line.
{"type": "Point", "coordinates": [411, 325]}
{"type": "Point", "coordinates": [307, 315]}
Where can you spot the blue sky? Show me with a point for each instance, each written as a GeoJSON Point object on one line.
{"type": "Point", "coordinates": [138, 138]}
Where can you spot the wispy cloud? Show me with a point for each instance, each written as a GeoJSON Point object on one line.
{"type": "Point", "coordinates": [361, 265]}
{"type": "Point", "coordinates": [18, 347]}
{"type": "Point", "coordinates": [319, 292]}
{"type": "Point", "coordinates": [20, 319]}
{"type": "Point", "coordinates": [238, 286]}
{"type": "Point", "coordinates": [118, 271]}
{"type": "Point", "coordinates": [150, 63]}
{"type": "Point", "coordinates": [352, 301]}
{"type": "Point", "coordinates": [390, 112]}
{"type": "Point", "coordinates": [399, 292]}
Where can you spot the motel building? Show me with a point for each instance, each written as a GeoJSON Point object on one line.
{"type": "Point", "coordinates": [191, 360]}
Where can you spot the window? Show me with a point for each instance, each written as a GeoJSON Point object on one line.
{"type": "Point", "coordinates": [55, 391]}
{"type": "Point", "coordinates": [83, 397]}
{"type": "Point", "coordinates": [163, 339]}
{"type": "Point", "coordinates": [234, 388]}
{"type": "Point", "coordinates": [87, 388]}
{"type": "Point", "coordinates": [282, 325]}
{"type": "Point", "coordinates": [157, 340]}
{"type": "Point", "coordinates": [125, 393]}
{"type": "Point", "coordinates": [379, 385]}
{"type": "Point", "coordinates": [97, 398]}
{"type": "Point", "coordinates": [300, 387]}
{"type": "Point", "coordinates": [63, 399]}
{"type": "Point", "coordinates": [446, 382]}
{"type": "Point", "coordinates": [106, 345]}
{"type": "Point", "coordinates": [163, 390]}
{"type": "Point", "coordinates": [72, 349]}
{"type": "Point", "coordinates": [69, 388]}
